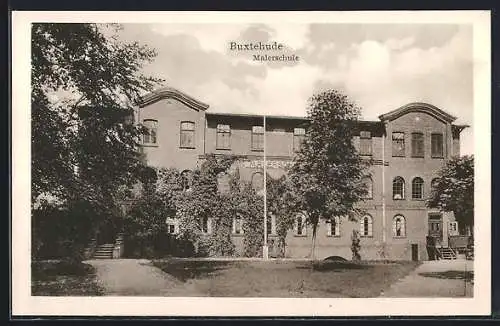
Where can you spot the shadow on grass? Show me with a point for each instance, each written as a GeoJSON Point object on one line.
{"type": "Point", "coordinates": [184, 270]}
{"type": "Point", "coordinates": [334, 266]}
{"type": "Point", "coordinates": [450, 275]}
{"type": "Point", "coordinates": [64, 279]}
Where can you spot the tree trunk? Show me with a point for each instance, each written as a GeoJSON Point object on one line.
{"type": "Point", "coordinates": [313, 244]}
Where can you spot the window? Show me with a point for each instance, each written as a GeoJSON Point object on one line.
{"type": "Point", "coordinates": [398, 144]}
{"type": "Point", "coordinates": [271, 224]}
{"type": "Point", "coordinates": [299, 135]}
{"type": "Point", "coordinates": [398, 188]}
{"type": "Point", "coordinates": [149, 136]}
{"type": "Point", "coordinates": [366, 226]}
{"type": "Point", "coordinates": [399, 226]}
{"type": "Point", "coordinates": [257, 181]}
{"type": "Point", "coordinates": [186, 180]}
{"type": "Point", "coordinates": [257, 138]}
{"type": "Point", "coordinates": [223, 182]}
{"type": "Point", "coordinates": [205, 226]}
{"type": "Point", "coordinates": [417, 144]}
{"type": "Point", "coordinates": [333, 227]}
{"type": "Point", "coordinates": [417, 188]}
{"type": "Point", "coordinates": [453, 228]}
{"type": "Point", "coordinates": [437, 145]}
{"type": "Point", "coordinates": [300, 225]}
{"type": "Point", "coordinates": [187, 134]}
{"type": "Point", "coordinates": [365, 143]}
{"type": "Point", "coordinates": [368, 184]}
{"type": "Point", "coordinates": [223, 137]}
{"type": "Point", "coordinates": [172, 225]}
{"type": "Point", "coordinates": [238, 225]}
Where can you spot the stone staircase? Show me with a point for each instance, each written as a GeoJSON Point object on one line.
{"type": "Point", "coordinates": [104, 251]}
{"type": "Point", "coordinates": [447, 253]}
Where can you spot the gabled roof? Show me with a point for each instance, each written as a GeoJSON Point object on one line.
{"type": "Point", "coordinates": [418, 107]}
{"type": "Point", "coordinates": [170, 92]}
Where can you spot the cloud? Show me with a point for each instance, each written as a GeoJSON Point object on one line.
{"type": "Point", "coordinates": [379, 66]}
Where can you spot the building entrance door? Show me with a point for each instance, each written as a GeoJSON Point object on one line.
{"type": "Point", "coordinates": [436, 227]}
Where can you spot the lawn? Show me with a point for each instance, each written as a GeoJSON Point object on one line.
{"type": "Point", "coordinates": [285, 278]}
{"type": "Point", "coordinates": [55, 278]}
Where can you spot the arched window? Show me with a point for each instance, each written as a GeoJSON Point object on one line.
{"type": "Point", "coordinates": [257, 181]}
{"type": "Point", "coordinates": [399, 226]}
{"type": "Point", "coordinates": [417, 188]}
{"type": "Point", "coordinates": [238, 224]}
{"type": "Point", "coordinates": [300, 225]}
{"type": "Point", "coordinates": [366, 226]}
{"type": "Point", "coordinates": [333, 227]}
{"type": "Point", "coordinates": [398, 188]}
{"type": "Point", "coordinates": [368, 184]}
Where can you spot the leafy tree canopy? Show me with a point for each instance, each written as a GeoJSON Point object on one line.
{"type": "Point", "coordinates": [328, 170]}
{"type": "Point", "coordinates": [453, 190]}
{"type": "Point", "coordinates": [84, 87]}
{"type": "Point", "coordinates": [84, 143]}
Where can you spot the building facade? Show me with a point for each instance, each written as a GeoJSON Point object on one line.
{"type": "Point", "coordinates": [407, 146]}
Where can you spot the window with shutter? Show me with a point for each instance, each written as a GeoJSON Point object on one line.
{"type": "Point", "coordinates": [366, 226]}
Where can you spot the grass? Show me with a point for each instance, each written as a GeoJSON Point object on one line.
{"type": "Point", "coordinates": [57, 278]}
{"type": "Point", "coordinates": [286, 278]}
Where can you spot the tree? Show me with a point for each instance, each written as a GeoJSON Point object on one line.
{"type": "Point", "coordinates": [84, 88]}
{"type": "Point", "coordinates": [453, 190]}
{"type": "Point", "coordinates": [327, 171]}
{"type": "Point", "coordinates": [284, 203]}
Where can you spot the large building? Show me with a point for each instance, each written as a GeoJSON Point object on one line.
{"type": "Point", "coordinates": [407, 147]}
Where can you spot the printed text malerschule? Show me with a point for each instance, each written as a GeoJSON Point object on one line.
{"type": "Point", "coordinates": [260, 46]}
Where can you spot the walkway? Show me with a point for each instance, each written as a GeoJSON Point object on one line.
{"type": "Point", "coordinates": [442, 278]}
{"type": "Point", "coordinates": [122, 277]}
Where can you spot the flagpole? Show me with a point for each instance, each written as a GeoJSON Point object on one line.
{"type": "Point", "coordinates": [265, 249]}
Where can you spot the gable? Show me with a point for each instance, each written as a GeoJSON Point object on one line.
{"type": "Point", "coordinates": [418, 107]}
{"type": "Point", "coordinates": [172, 93]}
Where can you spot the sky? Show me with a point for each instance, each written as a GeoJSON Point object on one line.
{"type": "Point", "coordinates": [380, 67]}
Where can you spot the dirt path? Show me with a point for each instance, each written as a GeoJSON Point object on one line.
{"type": "Point", "coordinates": [123, 277]}
{"type": "Point", "coordinates": [443, 278]}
